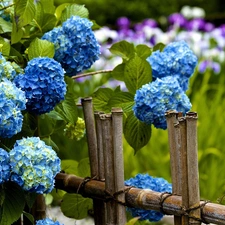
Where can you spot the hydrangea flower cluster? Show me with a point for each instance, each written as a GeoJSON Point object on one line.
{"type": "Point", "coordinates": [176, 59]}
{"type": "Point", "coordinates": [75, 131]}
{"type": "Point", "coordinates": [145, 181]}
{"type": "Point", "coordinates": [43, 83]}
{"type": "Point", "coordinates": [8, 69]}
{"type": "Point", "coordinates": [154, 99]}
{"type": "Point", "coordinates": [76, 47]}
{"type": "Point", "coordinates": [34, 165]}
{"type": "Point", "coordinates": [47, 221]}
{"type": "Point", "coordinates": [4, 166]}
{"type": "Point", "coordinates": [12, 102]}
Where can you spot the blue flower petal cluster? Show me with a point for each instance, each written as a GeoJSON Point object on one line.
{"type": "Point", "coordinates": [34, 165]}
{"type": "Point", "coordinates": [154, 99]}
{"type": "Point", "coordinates": [176, 59]}
{"type": "Point", "coordinates": [145, 181]}
{"type": "Point", "coordinates": [12, 102]}
{"type": "Point", "coordinates": [43, 83]}
{"type": "Point", "coordinates": [76, 47]}
{"type": "Point", "coordinates": [8, 69]}
{"type": "Point", "coordinates": [4, 166]}
{"type": "Point", "coordinates": [47, 221]}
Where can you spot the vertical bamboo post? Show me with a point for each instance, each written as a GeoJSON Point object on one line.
{"type": "Point", "coordinates": [184, 169]}
{"type": "Point", "coordinates": [175, 161]}
{"type": "Point", "coordinates": [109, 167]}
{"type": "Point", "coordinates": [92, 150]}
{"type": "Point", "coordinates": [101, 168]}
{"type": "Point", "coordinates": [117, 125]}
{"type": "Point", "coordinates": [192, 162]}
{"type": "Point", "coordinates": [39, 208]}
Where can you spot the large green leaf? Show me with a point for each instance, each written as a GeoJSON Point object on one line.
{"type": "Point", "coordinates": [75, 206]}
{"type": "Point", "coordinates": [74, 10]}
{"type": "Point", "coordinates": [123, 49]}
{"type": "Point", "coordinates": [143, 51]}
{"type": "Point", "coordinates": [69, 166]}
{"type": "Point", "coordinates": [124, 100]}
{"type": "Point", "coordinates": [17, 33]}
{"type": "Point", "coordinates": [24, 12]}
{"type": "Point", "coordinates": [5, 26]}
{"type": "Point", "coordinates": [118, 72]}
{"type": "Point", "coordinates": [137, 73]}
{"type": "Point", "coordinates": [40, 48]}
{"type": "Point", "coordinates": [101, 98]}
{"type": "Point", "coordinates": [84, 168]}
{"type": "Point", "coordinates": [136, 132]}
{"type": "Point", "coordinates": [5, 46]}
{"type": "Point", "coordinates": [12, 203]}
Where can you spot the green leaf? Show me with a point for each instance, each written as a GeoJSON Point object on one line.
{"type": "Point", "coordinates": [136, 132]}
{"type": "Point", "coordinates": [29, 217]}
{"type": "Point", "coordinates": [143, 51]}
{"type": "Point", "coordinates": [13, 204]}
{"type": "Point", "coordinates": [123, 49]}
{"type": "Point", "coordinates": [40, 48]}
{"type": "Point", "coordinates": [17, 33]}
{"type": "Point", "coordinates": [137, 73]}
{"type": "Point", "coordinates": [24, 11]}
{"type": "Point", "coordinates": [5, 26]}
{"type": "Point", "coordinates": [75, 206]}
{"type": "Point", "coordinates": [133, 221]}
{"type": "Point", "coordinates": [118, 72]}
{"type": "Point", "coordinates": [30, 199]}
{"type": "Point", "coordinates": [59, 10]}
{"type": "Point", "coordinates": [124, 100]}
{"type": "Point", "coordinates": [48, 6]}
{"type": "Point", "coordinates": [48, 141]}
{"type": "Point", "coordinates": [5, 46]}
{"type": "Point", "coordinates": [160, 46]}
{"type": "Point", "coordinates": [101, 98]}
{"type": "Point", "coordinates": [69, 166]}
{"type": "Point", "coordinates": [74, 10]}
{"type": "Point", "coordinates": [83, 168]}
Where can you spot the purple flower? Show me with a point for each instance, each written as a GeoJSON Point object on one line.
{"type": "Point", "coordinates": [123, 23]}
{"type": "Point", "coordinates": [196, 24]}
{"type": "Point", "coordinates": [209, 64]}
{"type": "Point", "coordinates": [177, 19]}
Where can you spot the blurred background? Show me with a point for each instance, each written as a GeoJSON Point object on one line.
{"type": "Point", "coordinates": [202, 25]}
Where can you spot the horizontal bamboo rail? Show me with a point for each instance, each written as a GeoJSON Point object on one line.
{"type": "Point", "coordinates": [139, 198]}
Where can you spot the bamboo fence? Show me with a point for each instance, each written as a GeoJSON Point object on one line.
{"type": "Point", "coordinates": [106, 185]}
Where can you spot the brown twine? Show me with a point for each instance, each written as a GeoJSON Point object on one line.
{"type": "Point", "coordinates": [162, 200]}
{"type": "Point", "coordinates": [80, 189]}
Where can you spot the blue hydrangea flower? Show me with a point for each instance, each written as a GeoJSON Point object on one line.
{"type": "Point", "coordinates": [76, 47]}
{"type": "Point", "coordinates": [145, 181]}
{"type": "Point", "coordinates": [8, 69]}
{"type": "Point", "coordinates": [12, 102]}
{"type": "Point", "coordinates": [34, 165]}
{"type": "Point", "coordinates": [47, 221]}
{"type": "Point", "coordinates": [176, 59]}
{"type": "Point", "coordinates": [4, 166]}
{"type": "Point", "coordinates": [43, 83]}
{"type": "Point", "coordinates": [154, 99]}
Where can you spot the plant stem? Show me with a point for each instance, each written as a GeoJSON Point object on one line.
{"type": "Point", "coordinates": [91, 73]}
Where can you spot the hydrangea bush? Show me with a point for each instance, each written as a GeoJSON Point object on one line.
{"type": "Point", "coordinates": [47, 221]}
{"type": "Point", "coordinates": [43, 52]}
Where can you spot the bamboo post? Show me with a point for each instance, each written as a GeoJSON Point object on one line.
{"type": "Point", "coordinates": [92, 150]}
{"type": "Point", "coordinates": [101, 168]}
{"type": "Point", "coordinates": [184, 169]}
{"type": "Point", "coordinates": [192, 163]}
{"type": "Point", "coordinates": [117, 125]}
{"type": "Point", "coordinates": [141, 198]}
{"type": "Point", "coordinates": [175, 160]}
{"type": "Point", "coordinates": [109, 167]}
